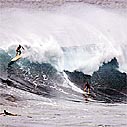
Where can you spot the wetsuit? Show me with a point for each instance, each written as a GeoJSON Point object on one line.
{"type": "Point", "coordinates": [18, 50]}
{"type": "Point", "coordinates": [10, 114]}
{"type": "Point", "coordinates": [7, 113]}
{"type": "Point", "coordinates": [87, 86]}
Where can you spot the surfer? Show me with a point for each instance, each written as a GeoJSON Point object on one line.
{"type": "Point", "coordinates": [8, 113]}
{"type": "Point", "coordinates": [18, 50]}
{"type": "Point", "coordinates": [87, 87]}
{"type": "Point", "coordinates": [18, 55]}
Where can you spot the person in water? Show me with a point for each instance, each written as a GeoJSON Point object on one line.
{"type": "Point", "coordinates": [87, 87]}
{"type": "Point", "coordinates": [18, 50]}
{"type": "Point", "coordinates": [8, 113]}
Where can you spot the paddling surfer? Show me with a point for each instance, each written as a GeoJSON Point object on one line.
{"type": "Point", "coordinates": [8, 113]}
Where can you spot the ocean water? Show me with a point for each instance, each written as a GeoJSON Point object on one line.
{"type": "Point", "coordinates": [75, 36]}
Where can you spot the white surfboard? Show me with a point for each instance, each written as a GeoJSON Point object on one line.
{"type": "Point", "coordinates": [16, 58]}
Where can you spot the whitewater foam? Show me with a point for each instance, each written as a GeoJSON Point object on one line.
{"type": "Point", "coordinates": [100, 35]}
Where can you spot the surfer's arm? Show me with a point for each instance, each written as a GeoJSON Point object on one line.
{"type": "Point", "coordinates": [84, 86]}
{"type": "Point", "coordinates": [17, 50]}
{"type": "Point", "coordinates": [23, 48]}
{"type": "Point", "coordinates": [1, 113]}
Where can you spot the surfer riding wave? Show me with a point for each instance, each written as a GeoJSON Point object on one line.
{"type": "Point", "coordinates": [18, 55]}
{"type": "Point", "coordinates": [18, 50]}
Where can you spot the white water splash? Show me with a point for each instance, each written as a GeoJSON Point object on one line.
{"type": "Point", "coordinates": [89, 35]}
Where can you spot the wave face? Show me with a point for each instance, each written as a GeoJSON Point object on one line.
{"type": "Point", "coordinates": [41, 79]}
{"type": "Point", "coordinates": [71, 37]}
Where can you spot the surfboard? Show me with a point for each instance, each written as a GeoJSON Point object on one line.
{"type": "Point", "coordinates": [85, 93]}
{"type": "Point", "coordinates": [16, 58]}
{"type": "Point", "coordinates": [88, 97]}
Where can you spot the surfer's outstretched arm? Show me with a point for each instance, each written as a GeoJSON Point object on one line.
{"type": "Point", "coordinates": [22, 47]}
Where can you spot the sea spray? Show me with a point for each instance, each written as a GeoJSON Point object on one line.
{"type": "Point", "coordinates": [72, 37]}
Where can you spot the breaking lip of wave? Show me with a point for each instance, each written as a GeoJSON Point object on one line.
{"type": "Point", "coordinates": [72, 37]}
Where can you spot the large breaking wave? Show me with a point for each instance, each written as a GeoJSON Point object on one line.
{"type": "Point", "coordinates": [100, 35]}
{"type": "Point", "coordinates": [71, 37]}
